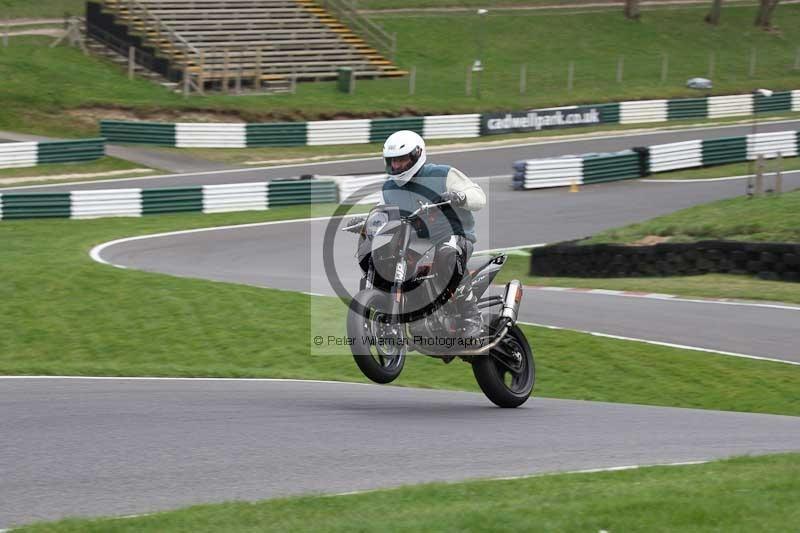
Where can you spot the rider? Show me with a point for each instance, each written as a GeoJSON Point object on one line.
{"type": "Point", "coordinates": [411, 180]}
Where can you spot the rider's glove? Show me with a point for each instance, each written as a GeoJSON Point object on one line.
{"type": "Point", "coordinates": [354, 224]}
{"type": "Point", "coordinates": [455, 198]}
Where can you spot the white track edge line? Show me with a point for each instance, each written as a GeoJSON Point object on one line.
{"type": "Point", "coordinates": [659, 296]}
{"type": "Point", "coordinates": [665, 344]}
{"type": "Point", "coordinates": [525, 476]}
{"type": "Point", "coordinates": [706, 180]}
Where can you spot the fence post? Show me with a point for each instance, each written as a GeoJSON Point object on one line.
{"type": "Point", "coordinates": [759, 174]}
{"type": "Point", "coordinates": [131, 61]}
{"type": "Point", "coordinates": [779, 175]}
{"type": "Point", "coordinates": [570, 75]}
{"type": "Point", "coordinates": [753, 59]}
{"type": "Point", "coordinates": [412, 80]}
{"type": "Point", "coordinates": [293, 84]}
{"type": "Point", "coordinates": [186, 82]}
{"type": "Point", "coordinates": [225, 79]}
{"type": "Point", "coordinates": [664, 67]}
{"type": "Point", "coordinates": [710, 65]}
{"type": "Point", "coordinates": [352, 88]}
{"type": "Point", "coordinates": [239, 80]}
{"type": "Point", "coordinates": [523, 79]}
{"type": "Point", "coordinates": [201, 76]}
{"type": "Point", "coordinates": [257, 81]}
{"type": "Point", "coordinates": [620, 67]}
{"type": "Point", "coordinates": [468, 88]}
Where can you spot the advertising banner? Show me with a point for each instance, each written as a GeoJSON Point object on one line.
{"type": "Point", "coordinates": [539, 119]}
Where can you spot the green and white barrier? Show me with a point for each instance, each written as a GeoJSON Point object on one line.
{"type": "Point", "coordinates": [30, 154]}
{"type": "Point", "coordinates": [138, 202]}
{"type": "Point", "coordinates": [640, 162]}
{"type": "Point", "coordinates": [327, 132]}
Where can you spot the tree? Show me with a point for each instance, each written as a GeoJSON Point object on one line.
{"type": "Point", "coordinates": [632, 9]}
{"type": "Point", "coordinates": [765, 10]}
{"type": "Point", "coordinates": [713, 15]}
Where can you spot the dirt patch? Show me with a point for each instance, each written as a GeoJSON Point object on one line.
{"type": "Point", "coordinates": [649, 240]}
{"type": "Point", "coordinates": [90, 115]}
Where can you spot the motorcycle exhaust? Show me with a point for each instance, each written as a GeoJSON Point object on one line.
{"type": "Point", "coordinates": [508, 317]}
{"type": "Point", "coordinates": [511, 301]}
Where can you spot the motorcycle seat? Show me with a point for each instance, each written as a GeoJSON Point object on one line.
{"type": "Point", "coordinates": [478, 263]}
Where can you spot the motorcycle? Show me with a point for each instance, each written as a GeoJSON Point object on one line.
{"type": "Point", "coordinates": [397, 309]}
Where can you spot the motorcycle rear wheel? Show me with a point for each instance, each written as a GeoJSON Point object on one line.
{"type": "Point", "coordinates": [380, 363]}
{"type": "Point", "coordinates": [507, 373]}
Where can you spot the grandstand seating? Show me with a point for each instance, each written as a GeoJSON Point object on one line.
{"type": "Point", "coordinates": [247, 42]}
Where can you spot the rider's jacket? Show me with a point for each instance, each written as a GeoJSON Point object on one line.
{"type": "Point", "coordinates": [427, 185]}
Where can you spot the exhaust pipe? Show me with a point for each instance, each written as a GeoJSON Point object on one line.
{"type": "Point", "coordinates": [511, 301]}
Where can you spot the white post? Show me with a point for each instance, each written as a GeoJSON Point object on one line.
{"type": "Point", "coordinates": [779, 175]}
{"type": "Point", "coordinates": [412, 80]}
{"type": "Point", "coordinates": [523, 78]}
{"type": "Point", "coordinates": [468, 83]}
{"type": "Point", "coordinates": [620, 67]}
{"type": "Point", "coordinates": [570, 75]}
{"type": "Point", "coordinates": [759, 174]}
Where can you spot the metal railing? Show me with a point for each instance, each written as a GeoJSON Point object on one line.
{"type": "Point", "coordinates": [122, 47]}
{"type": "Point", "coordinates": [151, 22]}
{"type": "Point", "coordinates": [375, 34]}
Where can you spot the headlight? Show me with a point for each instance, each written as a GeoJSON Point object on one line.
{"type": "Point", "coordinates": [376, 222]}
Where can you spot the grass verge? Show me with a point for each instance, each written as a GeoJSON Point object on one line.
{"type": "Point", "coordinates": [774, 218]}
{"type": "Point", "coordinates": [105, 164]}
{"type": "Point", "coordinates": [742, 494]}
{"type": "Point", "coordinates": [735, 169]}
{"type": "Point", "coordinates": [77, 90]}
{"type": "Point", "coordinates": [767, 218]}
{"type": "Point", "coordinates": [72, 316]}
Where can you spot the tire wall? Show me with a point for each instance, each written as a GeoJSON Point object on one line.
{"type": "Point", "coordinates": [773, 261]}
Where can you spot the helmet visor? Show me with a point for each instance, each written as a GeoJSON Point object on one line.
{"type": "Point", "coordinates": [399, 164]}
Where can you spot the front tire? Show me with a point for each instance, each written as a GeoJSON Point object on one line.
{"type": "Point", "coordinates": [380, 363]}
{"type": "Point", "coordinates": [507, 373]}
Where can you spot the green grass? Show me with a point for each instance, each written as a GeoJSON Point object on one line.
{"type": "Point", "coordinates": [12, 9]}
{"type": "Point", "coordinates": [774, 218]}
{"type": "Point", "coordinates": [70, 81]}
{"type": "Point", "coordinates": [735, 169]}
{"type": "Point", "coordinates": [706, 286]}
{"type": "Point", "coordinates": [71, 316]}
{"type": "Point", "coordinates": [767, 218]}
{"type": "Point", "coordinates": [105, 164]}
{"type": "Point", "coordinates": [737, 495]}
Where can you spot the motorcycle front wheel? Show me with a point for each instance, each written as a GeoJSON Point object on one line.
{"type": "Point", "coordinates": [373, 339]}
{"type": "Point", "coordinates": [506, 374]}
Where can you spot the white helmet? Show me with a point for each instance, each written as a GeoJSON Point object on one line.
{"type": "Point", "coordinates": [399, 144]}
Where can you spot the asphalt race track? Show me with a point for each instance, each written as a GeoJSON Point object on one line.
{"type": "Point", "coordinates": [121, 446]}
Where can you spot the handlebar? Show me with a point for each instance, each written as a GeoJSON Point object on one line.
{"type": "Point", "coordinates": [355, 228]}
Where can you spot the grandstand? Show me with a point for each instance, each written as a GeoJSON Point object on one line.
{"type": "Point", "coordinates": [242, 44]}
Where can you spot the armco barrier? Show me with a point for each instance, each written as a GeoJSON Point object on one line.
{"type": "Point", "coordinates": [431, 127]}
{"type": "Point", "coordinates": [216, 135]}
{"type": "Point", "coordinates": [642, 161]}
{"type": "Point", "coordinates": [643, 111]}
{"type": "Point", "coordinates": [138, 202]}
{"type": "Point", "coordinates": [30, 154]}
{"type": "Point", "coordinates": [674, 156]}
{"type": "Point", "coordinates": [359, 189]}
{"type": "Point", "coordinates": [277, 134]}
{"type": "Point", "coordinates": [452, 126]}
{"type": "Point", "coordinates": [766, 260]}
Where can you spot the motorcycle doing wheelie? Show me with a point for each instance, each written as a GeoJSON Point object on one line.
{"type": "Point", "coordinates": [398, 310]}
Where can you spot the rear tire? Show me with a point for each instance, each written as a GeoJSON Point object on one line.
{"type": "Point", "coordinates": [504, 386]}
{"type": "Point", "coordinates": [381, 364]}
